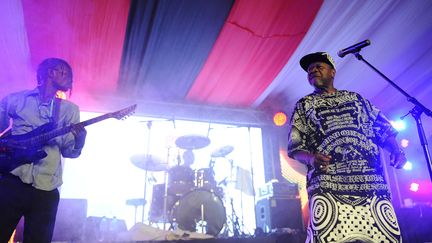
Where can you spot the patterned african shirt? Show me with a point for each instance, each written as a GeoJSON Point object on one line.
{"type": "Point", "coordinates": [350, 129]}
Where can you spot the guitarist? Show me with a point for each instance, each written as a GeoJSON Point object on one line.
{"type": "Point", "coordinates": [30, 190]}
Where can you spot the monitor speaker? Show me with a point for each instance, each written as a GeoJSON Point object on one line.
{"type": "Point", "coordinates": [276, 213]}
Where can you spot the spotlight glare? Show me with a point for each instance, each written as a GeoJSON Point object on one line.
{"type": "Point", "coordinates": [414, 187]}
{"type": "Point", "coordinates": [61, 95]}
{"type": "Point", "coordinates": [408, 166]}
{"type": "Point", "coordinates": [404, 143]}
{"type": "Point", "coordinates": [398, 125]}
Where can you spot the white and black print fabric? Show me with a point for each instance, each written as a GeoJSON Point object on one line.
{"type": "Point", "coordinates": [343, 218]}
{"type": "Point", "coordinates": [350, 129]}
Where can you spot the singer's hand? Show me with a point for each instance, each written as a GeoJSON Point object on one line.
{"type": "Point", "coordinates": [320, 161]}
{"type": "Point", "coordinates": [80, 134]}
{"type": "Point", "coordinates": [397, 158]}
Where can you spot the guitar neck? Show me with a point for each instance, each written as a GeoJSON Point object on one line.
{"type": "Point", "coordinates": [42, 138]}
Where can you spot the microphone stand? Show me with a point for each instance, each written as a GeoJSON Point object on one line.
{"type": "Point", "coordinates": [416, 112]}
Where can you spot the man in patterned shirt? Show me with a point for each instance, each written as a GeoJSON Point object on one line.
{"type": "Point", "coordinates": [337, 135]}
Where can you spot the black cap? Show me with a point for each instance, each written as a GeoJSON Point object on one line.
{"type": "Point", "coordinates": [316, 57]}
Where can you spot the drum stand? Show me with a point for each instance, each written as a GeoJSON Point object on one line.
{"type": "Point", "coordinates": [165, 199]}
{"type": "Point", "coordinates": [135, 202]}
{"type": "Point", "coordinates": [149, 125]}
{"type": "Point", "coordinates": [235, 222]}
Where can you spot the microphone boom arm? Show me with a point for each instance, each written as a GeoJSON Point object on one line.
{"type": "Point", "coordinates": [415, 112]}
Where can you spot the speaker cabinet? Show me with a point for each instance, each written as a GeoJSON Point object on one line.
{"type": "Point", "coordinates": [274, 213]}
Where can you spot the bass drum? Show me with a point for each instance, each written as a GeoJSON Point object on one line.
{"type": "Point", "coordinates": [197, 208]}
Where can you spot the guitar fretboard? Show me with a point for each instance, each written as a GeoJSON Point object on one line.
{"type": "Point", "coordinates": [43, 138]}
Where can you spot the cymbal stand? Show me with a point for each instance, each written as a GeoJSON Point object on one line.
{"type": "Point", "coordinates": [149, 125]}
{"type": "Point", "coordinates": [236, 229]}
{"type": "Point", "coordinates": [165, 199]}
{"type": "Point", "coordinates": [234, 220]}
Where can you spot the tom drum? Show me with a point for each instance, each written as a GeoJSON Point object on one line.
{"type": "Point", "coordinates": [180, 180]}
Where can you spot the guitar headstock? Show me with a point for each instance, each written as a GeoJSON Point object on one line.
{"type": "Point", "coordinates": [123, 113]}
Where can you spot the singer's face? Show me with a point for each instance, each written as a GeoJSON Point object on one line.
{"type": "Point", "coordinates": [321, 75]}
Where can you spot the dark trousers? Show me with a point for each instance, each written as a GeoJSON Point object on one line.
{"type": "Point", "coordinates": [38, 207]}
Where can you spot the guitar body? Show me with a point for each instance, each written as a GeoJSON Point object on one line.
{"type": "Point", "coordinates": [13, 158]}
{"type": "Point", "coordinates": [15, 153]}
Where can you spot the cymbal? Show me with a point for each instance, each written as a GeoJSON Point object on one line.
{"type": "Point", "coordinates": [136, 201]}
{"type": "Point", "coordinates": [222, 151]}
{"type": "Point", "coordinates": [192, 142]}
{"type": "Point", "coordinates": [148, 162]}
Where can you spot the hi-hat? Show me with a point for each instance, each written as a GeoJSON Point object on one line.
{"type": "Point", "coordinates": [148, 162]}
{"type": "Point", "coordinates": [192, 142]}
{"type": "Point", "coordinates": [222, 151]}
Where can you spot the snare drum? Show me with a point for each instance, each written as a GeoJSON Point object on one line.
{"type": "Point", "coordinates": [180, 180]}
{"type": "Point", "coordinates": [199, 207]}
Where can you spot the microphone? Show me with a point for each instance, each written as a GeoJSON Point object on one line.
{"type": "Point", "coordinates": [354, 48]}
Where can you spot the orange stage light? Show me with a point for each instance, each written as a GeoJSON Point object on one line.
{"type": "Point", "coordinates": [280, 118]}
{"type": "Point", "coordinates": [61, 95]}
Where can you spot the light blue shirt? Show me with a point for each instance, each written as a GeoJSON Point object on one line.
{"type": "Point", "coordinates": [27, 113]}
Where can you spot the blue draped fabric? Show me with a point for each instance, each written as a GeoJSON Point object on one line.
{"type": "Point", "coordinates": [151, 62]}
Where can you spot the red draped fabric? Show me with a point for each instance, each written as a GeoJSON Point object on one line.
{"type": "Point", "coordinates": [88, 34]}
{"type": "Point", "coordinates": [254, 45]}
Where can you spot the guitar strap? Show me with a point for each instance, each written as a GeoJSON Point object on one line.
{"type": "Point", "coordinates": [56, 111]}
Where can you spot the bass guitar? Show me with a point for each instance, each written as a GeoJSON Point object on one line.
{"type": "Point", "coordinates": [16, 150]}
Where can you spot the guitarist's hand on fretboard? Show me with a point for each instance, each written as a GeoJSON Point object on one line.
{"type": "Point", "coordinates": [80, 134]}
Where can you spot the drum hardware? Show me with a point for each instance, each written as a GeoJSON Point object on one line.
{"type": "Point", "coordinates": [148, 163]}
{"type": "Point", "coordinates": [205, 178]}
{"type": "Point", "coordinates": [202, 223]}
{"type": "Point", "coordinates": [234, 220]}
{"type": "Point", "coordinates": [136, 202]}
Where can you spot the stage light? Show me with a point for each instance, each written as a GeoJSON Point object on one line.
{"type": "Point", "coordinates": [398, 125]}
{"type": "Point", "coordinates": [408, 166]}
{"type": "Point", "coordinates": [404, 143]}
{"type": "Point", "coordinates": [61, 95]}
{"type": "Point", "coordinates": [280, 118]}
{"type": "Point", "coordinates": [414, 187]}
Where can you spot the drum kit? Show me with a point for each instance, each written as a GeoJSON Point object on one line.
{"type": "Point", "coordinates": [188, 199]}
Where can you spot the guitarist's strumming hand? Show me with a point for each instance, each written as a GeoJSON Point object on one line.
{"type": "Point", "coordinates": [80, 134]}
